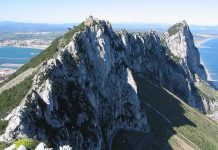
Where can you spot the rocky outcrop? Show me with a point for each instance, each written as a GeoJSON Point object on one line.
{"type": "Point", "coordinates": [181, 44]}
{"type": "Point", "coordinates": [42, 146]}
{"type": "Point", "coordinates": [81, 97]}
{"type": "Point", "coordinates": [84, 94]}
{"type": "Point", "coordinates": [167, 60]}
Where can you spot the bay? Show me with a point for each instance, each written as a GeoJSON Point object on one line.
{"type": "Point", "coordinates": [16, 56]}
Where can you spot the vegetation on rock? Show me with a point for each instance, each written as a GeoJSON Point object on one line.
{"type": "Point", "coordinates": [69, 35]}
{"type": "Point", "coordinates": [184, 120]}
{"type": "Point", "coordinates": [3, 125]}
{"type": "Point", "coordinates": [174, 29]}
{"type": "Point", "coordinates": [11, 98]}
{"type": "Point", "coordinates": [30, 144]}
{"type": "Point", "coordinates": [3, 145]}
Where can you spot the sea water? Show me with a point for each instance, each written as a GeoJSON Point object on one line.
{"type": "Point", "coordinates": [209, 56]}
{"type": "Point", "coordinates": [16, 56]}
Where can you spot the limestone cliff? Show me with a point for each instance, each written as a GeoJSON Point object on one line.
{"type": "Point", "coordinates": [171, 60]}
{"type": "Point", "coordinates": [87, 91]}
{"type": "Point", "coordinates": [81, 97]}
{"type": "Point", "coordinates": [180, 42]}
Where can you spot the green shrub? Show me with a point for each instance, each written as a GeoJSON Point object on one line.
{"type": "Point", "coordinates": [174, 29]}
{"type": "Point", "coordinates": [69, 35]}
{"type": "Point", "coordinates": [184, 120]}
{"type": "Point", "coordinates": [11, 98]}
{"type": "Point", "coordinates": [3, 145]}
{"type": "Point", "coordinates": [206, 91]}
{"type": "Point", "coordinates": [30, 144]}
{"type": "Point", "coordinates": [3, 124]}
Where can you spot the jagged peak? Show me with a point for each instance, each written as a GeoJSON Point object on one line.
{"type": "Point", "coordinates": [183, 22]}
{"type": "Point", "coordinates": [89, 23]}
{"type": "Point", "coordinates": [177, 27]}
{"type": "Point", "coordinates": [92, 22]}
{"type": "Point", "coordinates": [149, 32]}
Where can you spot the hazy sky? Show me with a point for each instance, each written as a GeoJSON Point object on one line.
{"type": "Point", "coordinates": [200, 12]}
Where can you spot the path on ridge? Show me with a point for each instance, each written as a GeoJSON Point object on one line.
{"type": "Point", "coordinates": [18, 79]}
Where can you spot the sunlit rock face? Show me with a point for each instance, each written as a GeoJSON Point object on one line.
{"type": "Point", "coordinates": [172, 60]}
{"type": "Point", "coordinates": [83, 95]}
{"type": "Point", "coordinates": [180, 42]}
{"type": "Point", "coordinates": [87, 92]}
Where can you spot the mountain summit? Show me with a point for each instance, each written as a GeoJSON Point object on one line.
{"type": "Point", "coordinates": [84, 88]}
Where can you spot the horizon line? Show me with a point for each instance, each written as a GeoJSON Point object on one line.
{"type": "Point", "coordinates": [139, 23]}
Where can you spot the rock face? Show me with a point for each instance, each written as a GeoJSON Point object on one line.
{"type": "Point", "coordinates": [179, 41]}
{"type": "Point", "coordinates": [82, 96]}
{"type": "Point", "coordinates": [181, 45]}
{"type": "Point", "coordinates": [172, 60]}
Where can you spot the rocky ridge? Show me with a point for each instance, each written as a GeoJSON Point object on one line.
{"type": "Point", "coordinates": [81, 97]}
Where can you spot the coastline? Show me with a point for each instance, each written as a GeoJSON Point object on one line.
{"type": "Point", "coordinates": [198, 45]}
{"type": "Point", "coordinates": [8, 65]}
{"type": "Point", "coordinates": [209, 76]}
{"type": "Point", "coordinates": [33, 47]}
{"type": "Point", "coordinates": [202, 38]}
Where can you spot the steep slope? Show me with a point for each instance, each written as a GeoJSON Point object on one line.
{"type": "Point", "coordinates": [180, 42]}
{"type": "Point", "coordinates": [157, 60]}
{"type": "Point", "coordinates": [197, 128]}
{"type": "Point", "coordinates": [15, 88]}
{"type": "Point", "coordinates": [171, 121]}
{"type": "Point", "coordinates": [85, 89]}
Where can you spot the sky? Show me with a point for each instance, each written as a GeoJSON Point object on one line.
{"type": "Point", "coordinates": [195, 12]}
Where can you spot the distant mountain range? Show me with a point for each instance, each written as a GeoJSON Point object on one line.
{"type": "Point", "coordinates": [7, 26]}
{"type": "Point", "coordinates": [139, 27]}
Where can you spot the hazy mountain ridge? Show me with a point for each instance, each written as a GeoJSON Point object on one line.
{"type": "Point", "coordinates": [10, 26]}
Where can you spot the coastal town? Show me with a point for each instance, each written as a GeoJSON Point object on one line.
{"type": "Point", "coordinates": [7, 69]}
{"type": "Point", "coordinates": [33, 43]}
